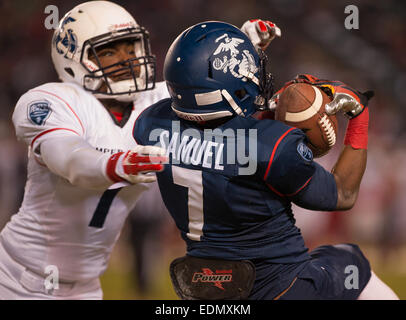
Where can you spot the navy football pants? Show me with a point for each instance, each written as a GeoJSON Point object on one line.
{"type": "Point", "coordinates": [334, 272]}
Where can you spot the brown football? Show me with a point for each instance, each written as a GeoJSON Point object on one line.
{"type": "Point", "coordinates": [302, 106]}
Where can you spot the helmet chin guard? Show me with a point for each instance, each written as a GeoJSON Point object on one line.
{"type": "Point", "coordinates": [266, 84]}
{"type": "Point", "coordinates": [121, 87]}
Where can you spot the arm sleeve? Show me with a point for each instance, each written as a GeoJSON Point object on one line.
{"type": "Point", "coordinates": [320, 193]}
{"type": "Point", "coordinates": [72, 158]}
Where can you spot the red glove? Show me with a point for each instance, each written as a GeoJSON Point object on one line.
{"type": "Point", "coordinates": [136, 165]}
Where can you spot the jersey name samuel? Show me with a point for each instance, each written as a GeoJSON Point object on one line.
{"type": "Point", "coordinates": [192, 150]}
{"type": "Point", "coordinates": [212, 149]}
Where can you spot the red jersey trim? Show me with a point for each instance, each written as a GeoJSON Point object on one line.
{"type": "Point", "coordinates": [48, 131]}
{"type": "Point", "coordinates": [290, 194]}
{"type": "Point", "coordinates": [274, 151]}
{"type": "Point", "coordinates": [71, 109]}
{"type": "Point", "coordinates": [274, 190]}
{"type": "Point", "coordinates": [298, 190]}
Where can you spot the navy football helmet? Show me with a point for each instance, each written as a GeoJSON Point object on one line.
{"type": "Point", "coordinates": [212, 70]}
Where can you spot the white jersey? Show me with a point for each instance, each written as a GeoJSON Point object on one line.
{"type": "Point", "coordinates": [71, 227]}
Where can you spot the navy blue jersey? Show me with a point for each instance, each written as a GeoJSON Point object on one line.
{"type": "Point", "coordinates": [230, 189]}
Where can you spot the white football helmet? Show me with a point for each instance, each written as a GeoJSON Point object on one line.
{"type": "Point", "coordinates": [96, 23]}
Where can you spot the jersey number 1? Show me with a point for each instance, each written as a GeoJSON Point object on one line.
{"type": "Point", "coordinates": [192, 179]}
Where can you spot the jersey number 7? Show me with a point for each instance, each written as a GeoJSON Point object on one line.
{"type": "Point", "coordinates": [103, 207]}
{"type": "Point", "coordinates": [192, 179]}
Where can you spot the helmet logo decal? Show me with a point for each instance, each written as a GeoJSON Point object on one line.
{"type": "Point", "coordinates": [65, 41]}
{"type": "Point", "coordinates": [67, 20]}
{"type": "Point", "coordinates": [129, 24]}
{"type": "Point", "coordinates": [232, 58]}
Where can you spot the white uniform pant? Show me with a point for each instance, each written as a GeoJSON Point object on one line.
{"type": "Point", "coordinates": [19, 283]}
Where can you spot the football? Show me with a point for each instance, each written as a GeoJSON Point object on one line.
{"type": "Point", "coordinates": [302, 106]}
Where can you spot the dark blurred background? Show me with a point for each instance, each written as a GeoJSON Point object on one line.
{"type": "Point", "coordinates": [314, 40]}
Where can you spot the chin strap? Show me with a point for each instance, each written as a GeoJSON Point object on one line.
{"type": "Point", "coordinates": [119, 97]}
{"type": "Point", "coordinates": [232, 103]}
{"type": "Point", "coordinates": [124, 86]}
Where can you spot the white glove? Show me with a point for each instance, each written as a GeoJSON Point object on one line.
{"type": "Point", "coordinates": [260, 32]}
{"type": "Point", "coordinates": [136, 165]}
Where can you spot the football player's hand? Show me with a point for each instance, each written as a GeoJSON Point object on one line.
{"type": "Point", "coordinates": [344, 98]}
{"type": "Point", "coordinates": [136, 165]}
{"type": "Point", "coordinates": [351, 102]}
{"type": "Point", "coordinates": [261, 32]}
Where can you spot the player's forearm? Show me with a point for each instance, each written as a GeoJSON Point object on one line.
{"type": "Point", "coordinates": [350, 167]}
{"type": "Point", "coordinates": [75, 160]}
{"type": "Point", "coordinates": [348, 173]}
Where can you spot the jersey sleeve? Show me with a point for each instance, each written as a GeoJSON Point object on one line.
{"type": "Point", "coordinates": [320, 193]}
{"type": "Point", "coordinates": [291, 172]}
{"type": "Point", "coordinates": [75, 160]}
{"type": "Point", "coordinates": [43, 112]}
{"type": "Point", "coordinates": [290, 166]}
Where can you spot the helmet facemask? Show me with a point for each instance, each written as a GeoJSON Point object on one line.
{"type": "Point", "coordinates": [266, 84]}
{"type": "Point", "coordinates": [139, 71]}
